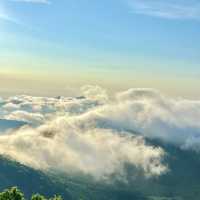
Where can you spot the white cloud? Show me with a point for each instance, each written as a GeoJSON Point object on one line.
{"type": "Point", "coordinates": [32, 118]}
{"type": "Point", "coordinates": [98, 152]}
{"type": "Point", "coordinates": [95, 93]}
{"type": "Point", "coordinates": [171, 9]}
{"type": "Point", "coordinates": [98, 134]}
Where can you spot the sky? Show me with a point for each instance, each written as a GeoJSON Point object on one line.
{"type": "Point", "coordinates": [51, 47]}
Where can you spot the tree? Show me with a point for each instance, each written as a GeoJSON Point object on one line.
{"type": "Point", "coordinates": [38, 197]}
{"type": "Point", "coordinates": [15, 194]}
{"type": "Point", "coordinates": [56, 198]}
{"type": "Point", "coordinates": [12, 194]}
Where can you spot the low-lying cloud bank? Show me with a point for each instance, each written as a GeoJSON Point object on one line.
{"type": "Point", "coordinates": [99, 135]}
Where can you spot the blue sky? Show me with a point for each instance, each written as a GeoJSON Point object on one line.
{"type": "Point", "coordinates": [127, 43]}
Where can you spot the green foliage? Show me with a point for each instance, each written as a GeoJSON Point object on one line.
{"type": "Point", "coordinates": [38, 197]}
{"type": "Point", "coordinates": [15, 194]}
{"type": "Point", "coordinates": [12, 194]}
{"type": "Point", "coordinates": [56, 198]}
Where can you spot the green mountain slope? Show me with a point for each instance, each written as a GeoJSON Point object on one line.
{"type": "Point", "coordinates": [33, 181]}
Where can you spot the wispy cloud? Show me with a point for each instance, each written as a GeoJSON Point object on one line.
{"type": "Point", "coordinates": [7, 18]}
{"type": "Point", "coordinates": [33, 1]}
{"type": "Point", "coordinates": [170, 9]}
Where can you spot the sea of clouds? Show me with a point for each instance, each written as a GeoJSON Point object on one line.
{"type": "Point", "coordinates": [97, 134]}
